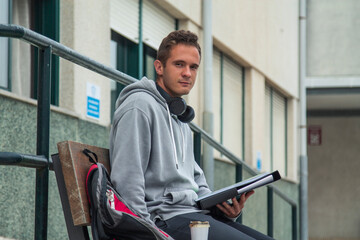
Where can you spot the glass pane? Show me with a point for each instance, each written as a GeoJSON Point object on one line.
{"type": "Point", "coordinates": [4, 45]}
{"type": "Point", "coordinates": [113, 61]}
{"type": "Point", "coordinates": [124, 57]}
{"type": "Point", "coordinates": [149, 58]}
{"type": "Point", "coordinates": [150, 69]}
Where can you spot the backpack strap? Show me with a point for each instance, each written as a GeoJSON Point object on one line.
{"type": "Point", "coordinates": [87, 152]}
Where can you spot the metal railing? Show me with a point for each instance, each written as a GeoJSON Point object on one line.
{"type": "Point", "coordinates": [43, 164]}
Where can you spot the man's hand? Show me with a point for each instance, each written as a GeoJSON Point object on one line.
{"type": "Point", "coordinates": [232, 211]}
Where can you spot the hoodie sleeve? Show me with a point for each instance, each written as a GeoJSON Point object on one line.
{"type": "Point", "coordinates": [130, 153]}
{"type": "Point", "coordinates": [201, 181]}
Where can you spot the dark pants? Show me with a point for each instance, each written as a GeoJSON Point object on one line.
{"type": "Point", "coordinates": [220, 229]}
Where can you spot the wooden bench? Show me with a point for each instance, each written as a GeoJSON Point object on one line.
{"type": "Point", "coordinates": [71, 167]}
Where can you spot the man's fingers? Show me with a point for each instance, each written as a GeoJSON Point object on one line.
{"type": "Point", "coordinates": [224, 210]}
{"type": "Point", "coordinates": [236, 205]}
{"type": "Point", "coordinates": [229, 208]}
{"type": "Point", "coordinates": [235, 209]}
{"type": "Point", "coordinates": [248, 194]}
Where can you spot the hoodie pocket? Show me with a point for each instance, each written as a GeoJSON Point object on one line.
{"type": "Point", "coordinates": [180, 196]}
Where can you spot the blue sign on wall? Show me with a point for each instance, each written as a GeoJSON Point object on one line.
{"type": "Point", "coordinates": [92, 100]}
{"type": "Point", "coordinates": [93, 107]}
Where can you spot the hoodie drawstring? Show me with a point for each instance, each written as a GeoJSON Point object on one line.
{"type": "Point", "coordinates": [172, 137]}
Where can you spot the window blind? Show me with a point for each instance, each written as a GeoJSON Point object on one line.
{"type": "Point", "coordinates": [232, 105]}
{"type": "Point", "coordinates": [267, 158]}
{"type": "Point", "coordinates": [157, 24]}
{"type": "Point", "coordinates": [124, 18]}
{"type": "Point", "coordinates": [279, 132]}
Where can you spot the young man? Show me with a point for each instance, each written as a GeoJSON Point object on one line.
{"type": "Point", "coordinates": [151, 148]}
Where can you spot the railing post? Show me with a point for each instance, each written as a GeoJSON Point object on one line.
{"type": "Point", "coordinates": [42, 147]}
{"type": "Point", "coordinates": [197, 147]}
{"type": "Point", "coordinates": [239, 178]}
{"type": "Point", "coordinates": [270, 209]}
{"type": "Point", "coordinates": [294, 222]}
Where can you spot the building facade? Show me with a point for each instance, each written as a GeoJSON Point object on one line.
{"type": "Point", "coordinates": [333, 97]}
{"type": "Point", "coordinates": [255, 90]}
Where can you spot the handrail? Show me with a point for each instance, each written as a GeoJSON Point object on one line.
{"type": "Point", "coordinates": [38, 161]}
{"type": "Point", "coordinates": [210, 140]}
{"type": "Point", "coordinates": [25, 160]}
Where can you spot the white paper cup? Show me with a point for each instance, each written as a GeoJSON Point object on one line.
{"type": "Point", "coordinates": [199, 230]}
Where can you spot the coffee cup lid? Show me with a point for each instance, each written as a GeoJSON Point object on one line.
{"type": "Point", "coordinates": [199, 224]}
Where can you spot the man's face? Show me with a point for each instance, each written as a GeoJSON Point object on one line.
{"type": "Point", "coordinates": [178, 77]}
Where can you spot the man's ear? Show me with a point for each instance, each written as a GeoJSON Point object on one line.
{"type": "Point", "coordinates": [158, 67]}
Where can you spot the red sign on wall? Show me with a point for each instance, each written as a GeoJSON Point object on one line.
{"type": "Point", "coordinates": [314, 135]}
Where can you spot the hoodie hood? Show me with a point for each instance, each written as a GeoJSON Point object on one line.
{"type": "Point", "coordinates": [144, 85]}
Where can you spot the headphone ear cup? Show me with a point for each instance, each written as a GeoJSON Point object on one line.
{"type": "Point", "coordinates": [188, 115]}
{"type": "Point", "coordinates": [177, 106]}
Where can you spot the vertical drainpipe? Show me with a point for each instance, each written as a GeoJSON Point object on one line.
{"type": "Point", "coordinates": [208, 163]}
{"type": "Point", "coordinates": [303, 148]}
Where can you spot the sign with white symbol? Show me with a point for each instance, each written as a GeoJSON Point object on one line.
{"type": "Point", "coordinates": [314, 135]}
{"type": "Point", "coordinates": [93, 100]}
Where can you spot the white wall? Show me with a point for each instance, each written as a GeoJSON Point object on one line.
{"type": "Point", "coordinates": [85, 27]}
{"type": "Point", "coordinates": [264, 35]}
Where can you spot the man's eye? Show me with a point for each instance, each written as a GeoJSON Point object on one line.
{"type": "Point", "coordinates": [178, 64]}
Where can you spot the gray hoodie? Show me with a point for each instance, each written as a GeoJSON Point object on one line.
{"type": "Point", "coordinates": [151, 155]}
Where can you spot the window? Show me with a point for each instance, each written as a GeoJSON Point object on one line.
{"type": "Point", "coordinates": [21, 64]}
{"type": "Point", "coordinates": [131, 52]}
{"type": "Point", "coordinates": [233, 106]}
{"type": "Point", "coordinates": [45, 20]}
{"type": "Point", "coordinates": [228, 80]}
{"type": "Point", "coordinates": [124, 57]}
{"type": "Point", "coordinates": [149, 58]}
{"type": "Point", "coordinates": [275, 131]}
{"type": "Point", "coordinates": [21, 75]}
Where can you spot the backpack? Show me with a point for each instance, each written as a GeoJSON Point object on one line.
{"type": "Point", "coordinates": [111, 217]}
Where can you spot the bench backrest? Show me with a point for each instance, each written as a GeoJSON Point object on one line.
{"type": "Point", "coordinates": [75, 165]}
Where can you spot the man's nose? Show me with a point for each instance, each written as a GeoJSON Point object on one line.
{"type": "Point", "coordinates": [187, 72]}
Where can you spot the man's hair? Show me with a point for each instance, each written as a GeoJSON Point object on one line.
{"type": "Point", "coordinates": [174, 38]}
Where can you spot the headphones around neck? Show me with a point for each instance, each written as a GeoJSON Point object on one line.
{"type": "Point", "coordinates": [177, 106]}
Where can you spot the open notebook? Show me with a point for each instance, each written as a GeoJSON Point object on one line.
{"type": "Point", "coordinates": [221, 195]}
